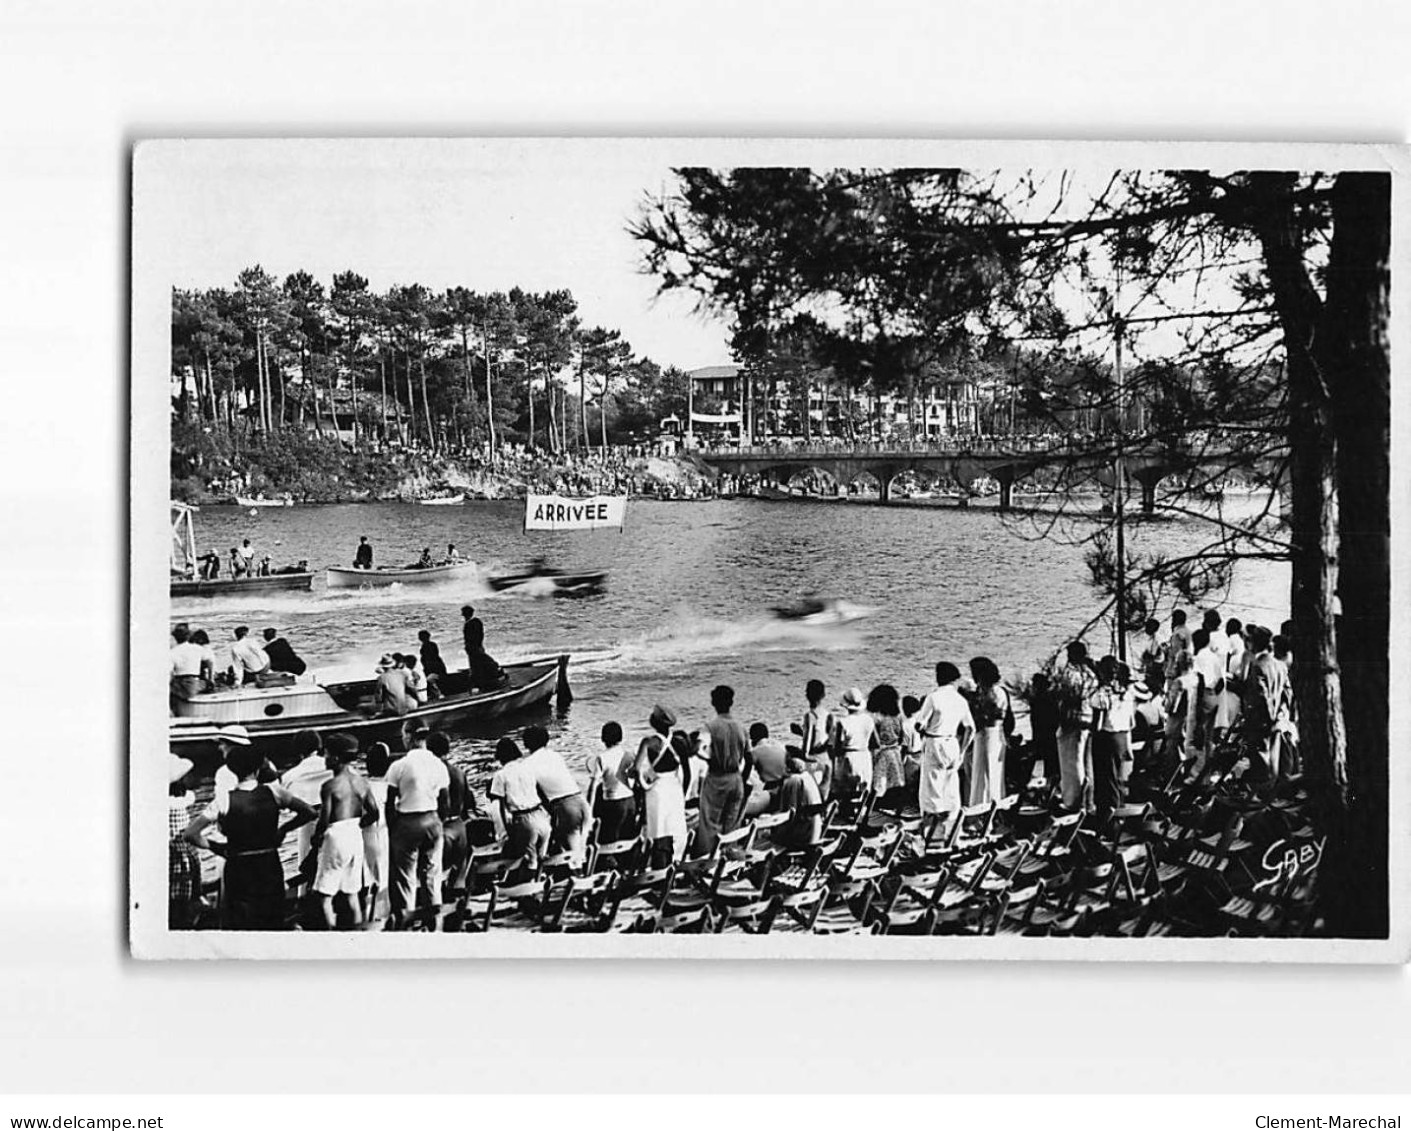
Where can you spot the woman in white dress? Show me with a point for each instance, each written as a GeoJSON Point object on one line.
{"type": "Point", "coordinates": [854, 739]}
{"type": "Point", "coordinates": [946, 728]}
{"type": "Point", "coordinates": [377, 894]}
{"type": "Point", "coordinates": [659, 770]}
{"type": "Point", "coordinates": [993, 719]}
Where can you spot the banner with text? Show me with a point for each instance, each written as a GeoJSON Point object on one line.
{"type": "Point", "coordinates": [554, 512]}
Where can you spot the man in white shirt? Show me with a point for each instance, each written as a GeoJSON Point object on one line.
{"type": "Point", "coordinates": [418, 792]}
{"type": "Point", "coordinates": [305, 781]}
{"type": "Point", "coordinates": [526, 821]}
{"type": "Point", "coordinates": [246, 557]}
{"type": "Point", "coordinates": [559, 788]}
{"type": "Point", "coordinates": [193, 666]}
{"type": "Point", "coordinates": [1209, 667]}
{"type": "Point", "coordinates": [247, 658]}
{"type": "Point", "coordinates": [610, 796]}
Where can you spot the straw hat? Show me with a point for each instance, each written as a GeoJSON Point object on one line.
{"type": "Point", "coordinates": [386, 662]}
{"type": "Point", "coordinates": [236, 735]}
{"type": "Point", "coordinates": [663, 718]}
{"type": "Point", "coordinates": [852, 699]}
{"type": "Point", "coordinates": [177, 768]}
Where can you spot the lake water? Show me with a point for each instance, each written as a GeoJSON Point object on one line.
{"type": "Point", "coordinates": [687, 603]}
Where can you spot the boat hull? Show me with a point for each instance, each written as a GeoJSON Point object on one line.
{"type": "Point", "coordinates": [564, 584]}
{"type": "Point", "coordinates": [340, 577]}
{"type": "Point", "coordinates": [243, 586]}
{"type": "Point", "coordinates": [454, 500]}
{"type": "Point", "coordinates": [346, 708]}
{"type": "Point", "coordinates": [263, 502]}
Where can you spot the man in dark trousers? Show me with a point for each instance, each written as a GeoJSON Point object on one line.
{"type": "Point", "coordinates": [282, 657]}
{"type": "Point", "coordinates": [363, 558]}
{"type": "Point", "coordinates": [431, 664]}
{"type": "Point", "coordinates": [480, 667]}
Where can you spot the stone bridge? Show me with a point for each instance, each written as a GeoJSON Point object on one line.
{"type": "Point", "coordinates": [962, 465]}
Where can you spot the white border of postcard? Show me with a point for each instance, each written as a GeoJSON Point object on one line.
{"type": "Point", "coordinates": [158, 168]}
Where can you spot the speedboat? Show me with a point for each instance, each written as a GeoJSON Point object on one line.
{"type": "Point", "coordinates": [442, 501]}
{"type": "Point", "coordinates": [261, 501]}
{"type": "Point", "coordinates": [820, 612]}
{"type": "Point", "coordinates": [274, 715]}
{"type": "Point", "coordinates": [345, 577]}
{"type": "Point", "coordinates": [550, 581]}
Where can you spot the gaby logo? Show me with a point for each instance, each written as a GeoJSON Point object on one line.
{"type": "Point", "coordinates": [1283, 861]}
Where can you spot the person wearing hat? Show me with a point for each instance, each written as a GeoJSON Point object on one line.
{"type": "Point", "coordinates": [418, 792]}
{"type": "Point", "coordinates": [854, 739]}
{"type": "Point", "coordinates": [394, 696]}
{"type": "Point", "coordinates": [228, 739]}
{"type": "Point", "coordinates": [252, 886]}
{"type": "Point", "coordinates": [184, 864]}
{"type": "Point", "coordinates": [799, 796]}
{"type": "Point", "coordinates": [728, 763]}
{"type": "Point", "coordinates": [659, 770]}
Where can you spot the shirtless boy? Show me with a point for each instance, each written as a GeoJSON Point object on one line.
{"type": "Point", "coordinates": [347, 804]}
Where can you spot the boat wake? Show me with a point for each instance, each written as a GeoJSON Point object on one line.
{"type": "Point", "coordinates": [688, 636]}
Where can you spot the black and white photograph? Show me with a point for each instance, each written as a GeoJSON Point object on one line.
{"type": "Point", "coordinates": [606, 548]}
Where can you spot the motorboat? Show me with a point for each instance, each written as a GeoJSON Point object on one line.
{"type": "Point", "coordinates": [820, 612]}
{"type": "Point", "coordinates": [346, 577]}
{"type": "Point", "coordinates": [293, 581]}
{"type": "Point", "coordinates": [443, 501]}
{"type": "Point", "coordinates": [539, 577]}
{"type": "Point", "coordinates": [274, 715]}
{"type": "Point", "coordinates": [261, 501]}
{"type": "Point", "coordinates": [186, 580]}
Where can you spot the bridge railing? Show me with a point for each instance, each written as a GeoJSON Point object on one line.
{"type": "Point", "coordinates": [903, 448]}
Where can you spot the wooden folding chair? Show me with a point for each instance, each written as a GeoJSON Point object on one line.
{"type": "Point", "coordinates": [753, 918]}
{"type": "Point", "coordinates": [581, 904]}
{"type": "Point", "coordinates": [799, 911]}
{"type": "Point", "coordinates": [695, 922]}
{"type": "Point", "coordinates": [1014, 910]}
{"type": "Point", "coordinates": [472, 913]}
{"type": "Point", "coordinates": [847, 908]}
{"type": "Point", "coordinates": [623, 856]}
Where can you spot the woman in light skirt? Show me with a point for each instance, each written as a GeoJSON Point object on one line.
{"type": "Point", "coordinates": [946, 727]}
{"type": "Point", "coordinates": [994, 719]}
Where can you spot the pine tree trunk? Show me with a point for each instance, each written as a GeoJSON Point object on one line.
{"type": "Point", "coordinates": [1355, 360]}
{"type": "Point", "coordinates": [382, 381]}
{"type": "Point", "coordinates": [489, 394]}
{"type": "Point", "coordinates": [1314, 534]}
{"type": "Point", "coordinates": [553, 415]}
{"type": "Point", "coordinates": [603, 418]}
{"type": "Point", "coordinates": [411, 394]}
{"type": "Point", "coordinates": [425, 400]}
{"type": "Point", "coordinates": [583, 401]}
{"type": "Point", "coordinates": [529, 387]}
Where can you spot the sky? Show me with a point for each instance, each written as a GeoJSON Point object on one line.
{"type": "Point", "coordinates": [539, 216]}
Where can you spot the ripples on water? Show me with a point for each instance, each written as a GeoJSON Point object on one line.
{"type": "Point", "coordinates": [687, 603]}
